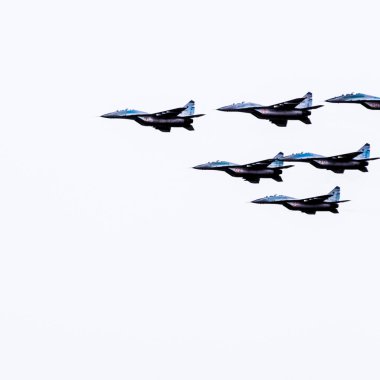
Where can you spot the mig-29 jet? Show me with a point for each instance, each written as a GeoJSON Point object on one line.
{"type": "Point", "coordinates": [163, 121]}
{"type": "Point", "coordinates": [368, 101]}
{"type": "Point", "coordinates": [253, 172]}
{"type": "Point", "coordinates": [338, 164]}
{"type": "Point", "coordinates": [279, 114]}
{"type": "Point", "coordinates": [329, 202]}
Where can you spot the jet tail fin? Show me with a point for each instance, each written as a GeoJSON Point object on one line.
{"type": "Point", "coordinates": [189, 109]}
{"type": "Point", "coordinates": [365, 152]}
{"type": "Point", "coordinates": [334, 195]}
{"type": "Point", "coordinates": [307, 102]}
{"type": "Point", "coordinates": [277, 161]}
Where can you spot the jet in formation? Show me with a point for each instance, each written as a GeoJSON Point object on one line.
{"type": "Point", "coordinates": [329, 202]}
{"type": "Point", "coordinates": [163, 121]}
{"type": "Point", "coordinates": [338, 164]}
{"type": "Point", "coordinates": [368, 101]}
{"type": "Point", "coordinates": [253, 172]}
{"type": "Point", "coordinates": [278, 114]}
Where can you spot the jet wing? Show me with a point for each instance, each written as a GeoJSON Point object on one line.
{"type": "Point", "coordinates": [169, 113]}
{"type": "Point", "coordinates": [288, 105]}
{"type": "Point", "coordinates": [345, 156]}
{"type": "Point", "coordinates": [259, 164]}
{"type": "Point", "coordinates": [279, 122]}
{"type": "Point", "coordinates": [315, 200]}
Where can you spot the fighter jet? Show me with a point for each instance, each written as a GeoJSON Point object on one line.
{"type": "Point", "coordinates": [270, 168]}
{"type": "Point", "coordinates": [368, 101]}
{"type": "Point", "coordinates": [163, 121]}
{"type": "Point", "coordinates": [329, 202]}
{"type": "Point", "coordinates": [338, 164]}
{"type": "Point", "coordinates": [279, 114]}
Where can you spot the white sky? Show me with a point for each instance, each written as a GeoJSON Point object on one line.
{"type": "Point", "coordinates": [117, 260]}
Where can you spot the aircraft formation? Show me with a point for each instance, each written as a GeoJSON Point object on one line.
{"type": "Point", "coordinates": [272, 168]}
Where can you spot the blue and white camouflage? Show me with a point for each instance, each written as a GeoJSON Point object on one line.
{"type": "Point", "coordinates": [357, 160]}
{"type": "Point", "coordinates": [368, 101]}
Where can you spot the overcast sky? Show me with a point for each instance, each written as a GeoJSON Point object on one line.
{"type": "Point", "coordinates": [119, 261]}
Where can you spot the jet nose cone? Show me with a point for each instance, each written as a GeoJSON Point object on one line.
{"type": "Point", "coordinates": [110, 115]}
{"type": "Point", "coordinates": [260, 200]}
{"type": "Point", "coordinates": [200, 167]}
{"type": "Point", "coordinates": [335, 99]}
{"type": "Point", "coordinates": [224, 108]}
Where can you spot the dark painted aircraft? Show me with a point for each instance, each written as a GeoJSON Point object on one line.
{"type": "Point", "coordinates": [163, 121]}
{"type": "Point", "coordinates": [329, 202]}
{"type": "Point", "coordinates": [338, 164]}
{"type": "Point", "coordinates": [253, 172]}
{"type": "Point", "coordinates": [368, 101]}
{"type": "Point", "coordinates": [279, 114]}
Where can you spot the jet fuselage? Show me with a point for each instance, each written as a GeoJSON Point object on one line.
{"type": "Point", "coordinates": [270, 113]}
{"type": "Point", "coordinates": [329, 202]}
{"type": "Point", "coordinates": [280, 113]}
{"type": "Point", "coordinates": [159, 121]}
{"type": "Point", "coordinates": [368, 101]}
{"type": "Point", "coordinates": [242, 171]}
{"type": "Point", "coordinates": [327, 164]}
{"type": "Point", "coordinates": [250, 172]}
{"type": "Point", "coordinates": [163, 121]}
{"type": "Point", "coordinates": [267, 113]}
{"type": "Point", "coordinates": [308, 208]}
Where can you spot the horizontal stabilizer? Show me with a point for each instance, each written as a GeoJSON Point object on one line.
{"type": "Point", "coordinates": [192, 116]}
{"type": "Point", "coordinates": [189, 127]}
{"type": "Point", "coordinates": [312, 108]}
